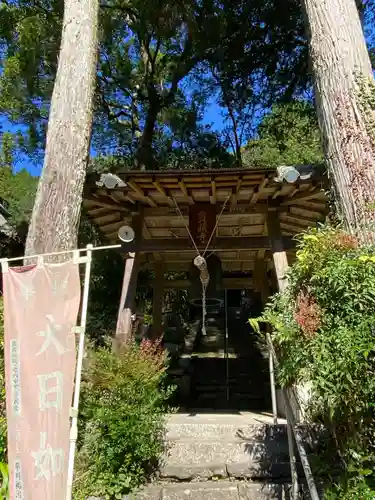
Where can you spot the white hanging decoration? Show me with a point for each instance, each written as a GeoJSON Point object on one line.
{"type": "Point", "coordinates": [291, 174]}
{"type": "Point", "coordinates": [288, 174]}
{"type": "Point", "coordinates": [110, 181]}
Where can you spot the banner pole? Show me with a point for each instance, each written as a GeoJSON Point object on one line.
{"type": "Point", "coordinates": [64, 252]}
{"type": "Point", "coordinates": [77, 387]}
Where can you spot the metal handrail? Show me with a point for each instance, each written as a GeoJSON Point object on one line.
{"type": "Point", "coordinates": [292, 431]}
{"type": "Point", "coordinates": [226, 346]}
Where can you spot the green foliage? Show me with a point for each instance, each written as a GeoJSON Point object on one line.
{"type": "Point", "coordinates": [153, 59]}
{"type": "Point", "coordinates": [357, 489]}
{"type": "Point", "coordinates": [366, 101]}
{"type": "Point", "coordinates": [4, 485]}
{"type": "Point", "coordinates": [124, 400]}
{"type": "Point", "coordinates": [6, 149]}
{"type": "Point", "coordinates": [324, 335]}
{"type": "Point", "coordinates": [18, 189]}
{"type": "Point", "coordinates": [289, 135]}
{"type": "Point", "coordinates": [151, 54]}
{"type": "Point", "coordinates": [107, 273]}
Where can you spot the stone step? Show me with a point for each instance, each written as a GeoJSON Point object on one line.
{"type": "Point", "coordinates": [210, 451]}
{"type": "Point", "coordinates": [214, 490]}
{"type": "Point", "coordinates": [228, 417]}
{"type": "Point", "coordinates": [226, 430]}
{"type": "Point", "coordinates": [251, 470]}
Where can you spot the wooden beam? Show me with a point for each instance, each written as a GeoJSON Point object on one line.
{"type": "Point", "coordinates": [277, 193]}
{"type": "Point", "coordinates": [293, 192]}
{"type": "Point", "coordinates": [304, 196]}
{"type": "Point", "coordinates": [109, 218]}
{"type": "Point", "coordinates": [96, 212]}
{"type": "Point", "coordinates": [278, 248]}
{"type": "Point", "coordinates": [183, 188]}
{"type": "Point", "coordinates": [128, 292]}
{"type": "Point", "coordinates": [163, 192]}
{"type": "Point", "coordinates": [157, 301]}
{"type": "Point", "coordinates": [112, 227]}
{"type": "Point", "coordinates": [140, 191]}
{"type": "Point", "coordinates": [229, 283]}
{"type": "Point", "coordinates": [147, 235]}
{"type": "Point", "coordinates": [111, 205]}
{"type": "Point", "coordinates": [292, 229]}
{"type": "Point", "coordinates": [240, 209]}
{"type": "Point", "coordinates": [184, 245]}
{"type": "Point", "coordinates": [301, 223]}
{"type": "Point", "coordinates": [258, 191]}
{"type": "Point", "coordinates": [213, 191]}
{"type": "Point", "coordinates": [303, 213]}
{"type": "Point", "coordinates": [235, 193]}
{"type": "Point", "coordinates": [319, 206]}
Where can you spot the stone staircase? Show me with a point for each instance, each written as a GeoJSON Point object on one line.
{"type": "Point", "coordinates": [217, 373]}
{"type": "Point", "coordinates": [216, 449]}
{"type": "Point", "coordinates": [222, 457]}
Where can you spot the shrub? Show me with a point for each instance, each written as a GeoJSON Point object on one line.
{"type": "Point", "coordinates": [123, 403]}
{"type": "Point", "coordinates": [357, 489]}
{"type": "Point", "coordinates": [324, 333]}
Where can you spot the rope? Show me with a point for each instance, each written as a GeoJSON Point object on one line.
{"type": "Point", "coordinates": [217, 223]}
{"type": "Point", "coordinates": [186, 226]}
{"type": "Point", "coordinates": [204, 310]}
{"type": "Point", "coordinates": [200, 262]}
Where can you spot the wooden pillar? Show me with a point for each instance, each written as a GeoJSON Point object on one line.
{"type": "Point", "coordinates": [158, 297]}
{"type": "Point", "coordinates": [280, 259]}
{"type": "Point", "coordinates": [260, 277]}
{"type": "Point", "coordinates": [129, 289]}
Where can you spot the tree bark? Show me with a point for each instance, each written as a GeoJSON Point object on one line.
{"type": "Point", "coordinates": [57, 208]}
{"type": "Point", "coordinates": [145, 155]}
{"type": "Point", "coordinates": [342, 77]}
{"type": "Point", "coordinates": [237, 142]}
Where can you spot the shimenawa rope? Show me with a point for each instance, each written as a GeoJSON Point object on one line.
{"type": "Point", "coordinates": [201, 263]}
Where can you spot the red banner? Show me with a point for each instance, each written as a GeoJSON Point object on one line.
{"type": "Point", "coordinates": [41, 306]}
{"type": "Point", "coordinates": [202, 220]}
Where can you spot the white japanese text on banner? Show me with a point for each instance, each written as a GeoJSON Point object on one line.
{"type": "Point", "coordinates": [41, 305]}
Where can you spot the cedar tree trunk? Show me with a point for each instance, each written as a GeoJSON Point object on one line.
{"type": "Point", "coordinates": [343, 84]}
{"type": "Point", "coordinates": [57, 208]}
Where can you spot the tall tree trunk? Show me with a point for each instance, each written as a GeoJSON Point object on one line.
{"type": "Point", "coordinates": [56, 213]}
{"type": "Point", "coordinates": [145, 156]}
{"type": "Point", "coordinates": [343, 82]}
{"type": "Point", "coordinates": [237, 141]}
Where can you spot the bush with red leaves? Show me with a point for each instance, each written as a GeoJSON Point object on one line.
{"type": "Point", "coordinates": [153, 351]}
{"type": "Point", "coordinates": [345, 241]}
{"type": "Point", "coordinates": [307, 314]}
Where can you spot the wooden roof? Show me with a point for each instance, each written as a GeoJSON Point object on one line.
{"type": "Point", "coordinates": [247, 194]}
